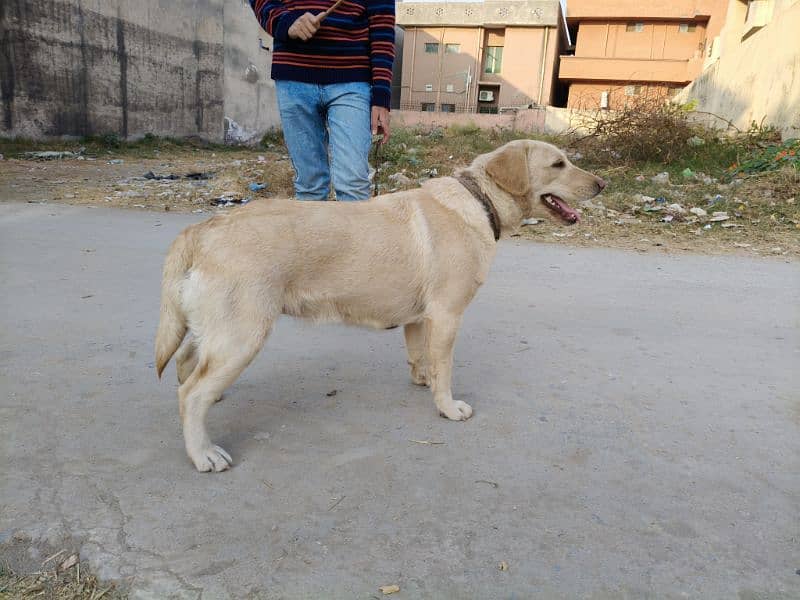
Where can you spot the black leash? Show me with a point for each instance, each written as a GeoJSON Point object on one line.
{"type": "Point", "coordinates": [376, 147]}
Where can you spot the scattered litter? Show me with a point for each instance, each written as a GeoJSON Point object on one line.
{"type": "Point", "coordinates": [698, 212]}
{"type": "Point", "coordinates": [715, 199]}
{"type": "Point", "coordinates": [399, 179]}
{"type": "Point", "coordinates": [643, 198]}
{"type": "Point", "coordinates": [503, 566]}
{"type": "Point", "coordinates": [559, 235]}
{"type": "Point", "coordinates": [667, 219]}
{"type": "Point", "coordinates": [153, 176]}
{"type": "Point", "coordinates": [676, 208]}
{"type": "Point", "coordinates": [332, 393]}
{"type": "Point", "coordinates": [50, 155]}
{"type": "Point", "coordinates": [427, 442]}
{"type": "Point", "coordinates": [116, 161]}
{"type": "Point", "coordinates": [731, 225]}
{"type": "Point", "coordinates": [741, 245]}
{"type": "Point", "coordinates": [227, 201]}
{"type": "Point", "coordinates": [719, 216]}
{"type": "Point", "coordinates": [695, 141]}
{"type": "Point", "coordinates": [531, 222]}
{"type": "Point", "coordinates": [776, 250]}
{"type": "Point", "coordinates": [653, 208]}
{"type": "Point", "coordinates": [640, 178]}
{"type": "Point", "coordinates": [491, 483]}
{"type": "Point", "coordinates": [707, 226]}
{"type": "Point", "coordinates": [661, 200]}
{"type": "Point", "coordinates": [687, 173]}
{"type": "Point", "coordinates": [172, 177]}
{"type": "Point", "coordinates": [577, 156]}
{"type": "Point", "coordinates": [262, 159]}
{"type": "Point", "coordinates": [389, 589]}
{"type": "Point", "coordinates": [661, 178]}
{"type": "Point", "coordinates": [2, 157]}
{"type": "Point", "coordinates": [199, 210]}
{"type": "Point", "coordinates": [257, 187]}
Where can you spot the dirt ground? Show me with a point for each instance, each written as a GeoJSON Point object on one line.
{"type": "Point", "coordinates": [763, 219]}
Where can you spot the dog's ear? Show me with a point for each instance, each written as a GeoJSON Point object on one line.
{"type": "Point", "coordinates": [509, 170]}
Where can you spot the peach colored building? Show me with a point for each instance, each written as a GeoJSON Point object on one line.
{"type": "Point", "coordinates": [629, 48]}
{"type": "Point", "coordinates": [480, 56]}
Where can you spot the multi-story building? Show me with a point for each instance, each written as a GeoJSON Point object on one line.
{"type": "Point", "coordinates": [627, 48]}
{"type": "Point", "coordinates": [480, 56]}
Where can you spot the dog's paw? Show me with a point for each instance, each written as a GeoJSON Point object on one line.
{"type": "Point", "coordinates": [212, 458]}
{"type": "Point", "coordinates": [456, 411]}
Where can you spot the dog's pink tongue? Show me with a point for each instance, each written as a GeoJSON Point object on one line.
{"type": "Point", "coordinates": [568, 213]}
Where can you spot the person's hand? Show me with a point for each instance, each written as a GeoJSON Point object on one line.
{"type": "Point", "coordinates": [380, 123]}
{"type": "Point", "coordinates": [305, 27]}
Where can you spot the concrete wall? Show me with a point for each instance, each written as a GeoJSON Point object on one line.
{"type": "Point", "coordinates": [250, 107]}
{"type": "Point", "coordinates": [586, 95]}
{"type": "Point", "coordinates": [178, 68]}
{"type": "Point", "coordinates": [757, 78]}
{"type": "Point", "coordinates": [82, 67]}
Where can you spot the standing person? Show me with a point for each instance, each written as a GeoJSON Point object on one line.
{"type": "Point", "coordinates": [333, 75]}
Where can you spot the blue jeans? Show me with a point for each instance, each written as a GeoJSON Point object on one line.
{"type": "Point", "coordinates": [327, 129]}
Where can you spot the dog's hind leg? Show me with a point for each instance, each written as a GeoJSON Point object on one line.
{"type": "Point", "coordinates": [186, 359]}
{"type": "Point", "coordinates": [223, 354]}
{"type": "Point", "coordinates": [441, 339]}
{"type": "Point", "coordinates": [417, 346]}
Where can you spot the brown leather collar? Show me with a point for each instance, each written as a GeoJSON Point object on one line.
{"type": "Point", "coordinates": [468, 181]}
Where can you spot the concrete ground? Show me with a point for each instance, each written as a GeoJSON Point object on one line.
{"type": "Point", "coordinates": [636, 431]}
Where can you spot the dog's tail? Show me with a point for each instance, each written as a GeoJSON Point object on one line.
{"type": "Point", "coordinates": [172, 324]}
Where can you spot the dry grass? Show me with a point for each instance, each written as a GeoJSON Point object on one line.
{"type": "Point", "coordinates": [763, 208]}
{"type": "Point", "coordinates": [51, 582]}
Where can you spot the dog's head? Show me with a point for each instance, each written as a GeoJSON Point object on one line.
{"type": "Point", "coordinates": [541, 179]}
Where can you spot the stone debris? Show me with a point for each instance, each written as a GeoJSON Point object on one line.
{"type": "Point", "coordinates": [699, 212]}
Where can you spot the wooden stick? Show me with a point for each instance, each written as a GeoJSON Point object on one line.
{"type": "Point", "coordinates": [324, 15]}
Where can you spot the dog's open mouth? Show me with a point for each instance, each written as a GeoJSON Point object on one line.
{"type": "Point", "coordinates": [561, 208]}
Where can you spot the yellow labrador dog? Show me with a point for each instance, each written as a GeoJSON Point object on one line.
{"type": "Point", "coordinates": [413, 258]}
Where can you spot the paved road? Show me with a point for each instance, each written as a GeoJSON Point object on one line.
{"type": "Point", "coordinates": [637, 431]}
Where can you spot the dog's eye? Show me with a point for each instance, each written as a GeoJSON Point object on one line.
{"type": "Point", "coordinates": [559, 164]}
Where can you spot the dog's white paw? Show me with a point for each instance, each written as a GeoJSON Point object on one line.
{"type": "Point", "coordinates": [456, 411]}
{"type": "Point", "coordinates": [212, 458]}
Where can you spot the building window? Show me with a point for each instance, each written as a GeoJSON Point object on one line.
{"type": "Point", "coordinates": [633, 90]}
{"type": "Point", "coordinates": [428, 87]}
{"type": "Point", "coordinates": [487, 110]}
{"type": "Point", "coordinates": [431, 48]}
{"type": "Point", "coordinates": [687, 27]}
{"type": "Point", "coordinates": [448, 108]}
{"type": "Point", "coordinates": [452, 48]}
{"type": "Point", "coordinates": [635, 27]}
{"type": "Point", "coordinates": [428, 107]}
{"type": "Point", "coordinates": [494, 59]}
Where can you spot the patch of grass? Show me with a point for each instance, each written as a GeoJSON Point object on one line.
{"type": "Point", "coordinates": [110, 145]}
{"type": "Point", "coordinates": [273, 139]}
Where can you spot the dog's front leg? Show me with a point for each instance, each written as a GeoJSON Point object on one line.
{"type": "Point", "coordinates": [441, 339]}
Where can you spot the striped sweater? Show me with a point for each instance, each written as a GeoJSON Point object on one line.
{"type": "Point", "coordinates": [355, 43]}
